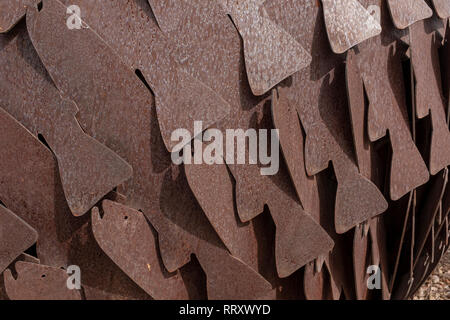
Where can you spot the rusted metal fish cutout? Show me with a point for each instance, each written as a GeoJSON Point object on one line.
{"type": "Point", "coordinates": [151, 189]}
{"type": "Point", "coordinates": [218, 205]}
{"type": "Point", "coordinates": [23, 257]}
{"type": "Point", "coordinates": [184, 230]}
{"type": "Point", "coordinates": [293, 224]}
{"type": "Point", "coordinates": [221, 64]}
{"type": "Point", "coordinates": [429, 93]}
{"type": "Point", "coordinates": [271, 54]}
{"type": "Point", "coordinates": [38, 282]}
{"type": "Point", "coordinates": [88, 169]}
{"type": "Point", "coordinates": [321, 103]}
{"type": "Point", "coordinates": [361, 260]}
{"type": "Point", "coordinates": [27, 166]}
{"type": "Point", "coordinates": [63, 239]}
{"type": "Point", "coordinates": [404, 13]}
{"type": "Point", "coordinates": [125, 236]}
{"type": "Point", "coordinates": [12, 11]}
{"type": "Point", "coordinates": [348, 23]}
{"type": "Point", "coordinates": [331, 270]}
{"type": "Point", "coordinates": [380, 72]}
{"type": "Point", "coordinates": [180, 97]}
{"type": "Point", "coordinates": [292, 142]}
{"type": "Point", "coordinates": [442, 8]}
{"type": "Point", "coordinates": [16, 236]}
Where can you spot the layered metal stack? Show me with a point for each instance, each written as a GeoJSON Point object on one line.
{"type": "Point", "coordinates": [92, 91]}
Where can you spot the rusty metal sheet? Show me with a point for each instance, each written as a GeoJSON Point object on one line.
{"type": "Point", "coordinates": [286, 120]}
{"type": "Point", "coordinates": [380, 70]}
{"type": "Point", "coordinates": [151, 189]}
{"type": "Point", "coordinates": [179, 96]}
{"type": "Point", "coordinates": [23, 257]}
{"type": "Point", "coordinates": [38, 282]}
{"type": "Point", "coordinates": [357, 109]}
{"type": "Point", "coordinates": [320, 284]}
{"type": "Point", "coordinates": [31, 188]}
{"type": "Point", "coordinates": [442, 8]}
{"type": "Point", "coordinates": [428, 213]}
{"type": "Point", "coordinates": [185, 230]}
{"type": "Point", "coordinates": [329, 272]}
{"type": "Point", "coordinates": [88, 169]}
{"type": "Point", "coordinates": [321, 101]}
{"type": "Point", "coordinates": [348, 23]}
{"type": "Point", "coordinates": [12, 11]}
{"type": "Point", "coordinates": [292, 223]}
{"type": "Point", "coordinates": [380, 254]}
{"type": "Point", "coordinates": [218, 205]}
{"type": "Point", "coordinates": [405, 13]}
{"type": "Point", "coordinates": [220, 67]}
{"type": "Point", "coordinates": [429, 93]}
{"type": "Point", "coordinates": [125, 236]}
{"type": "Point", "coordinates": [16, 236]}
{"type": "Point", "coordinates": [361, 260]}
{"type": "Point", "coordinates": [271, 54]}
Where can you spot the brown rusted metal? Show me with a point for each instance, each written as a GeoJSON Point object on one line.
{"type": "Point", "coordinates": [218, 205]}
{"type": "Point", "coordinates": [12, 11]}
{"type": "Point", "coordinates": [429, 93]}
{"type": "Point", "coordinates": [271, 54]}
{"type": "Point", "coordinates": [404, 13]}
{"type": "Point", "coordinates": [348, 23]}
{"type": "Point", "coordinates": [442, 8]}
{"type": "Point", "coordinates": [152, 188]}
{"type": "Point", "coordinates": [320, 104]}
{"type": "Point", "coordinates": [179, 97]}
{"type": "Point", "coordinates": [16, 236]}
{"type": "Point", "coordinates": [382, 76]}
{"type": "Point", "coordinates": [80, 107]}
{"type": "Point", "coordinates": [221, 64]}
{"type": "Point", "coordinates": [125, 236]}
{"type": "Point", "coordinates": [88, 169]}
{"type": "Point", "coordinates": [31, 187]}
{"type": "Point", "coordinates": [38, 282]}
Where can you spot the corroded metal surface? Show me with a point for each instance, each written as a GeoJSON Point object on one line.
{"type": "Point", "coordinates": [320, 103]}
{"type": "Point", "coordinates": [218, 205]}
{"type": "Point", "coordinates": [152, 188]}
{"type": "Point", "coordinates": [221, 65]}
{"type": "Point", "coordinates": [407, 12]}
{"type": "Point", "coordinates": [88, 169]}
{"type": "Point", "coordinates": [348, 24]}
{"type": "Point", "coordinates": [11, 12]}
{"type": "Point", "coordinates": [38, 282]}
{"type": "Point", "coordinates": [271, 54]}
{"type": "Point", "coordinates": [429, 93]}
{"type": "Point", "coordinates": [381, 73]}
{"type": "Point", "coordinates": [442, 8]}
{"type": "Point", "coordinates": [179, 97]}
{"type": "Point", "coordinates": [125, 236]}
{"type": "Point", "coordinates": [16, 236]}
{"type": "Point", "coordinates": [32, 189]}
{"type": "Point", "coordinates": [87, 114]}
